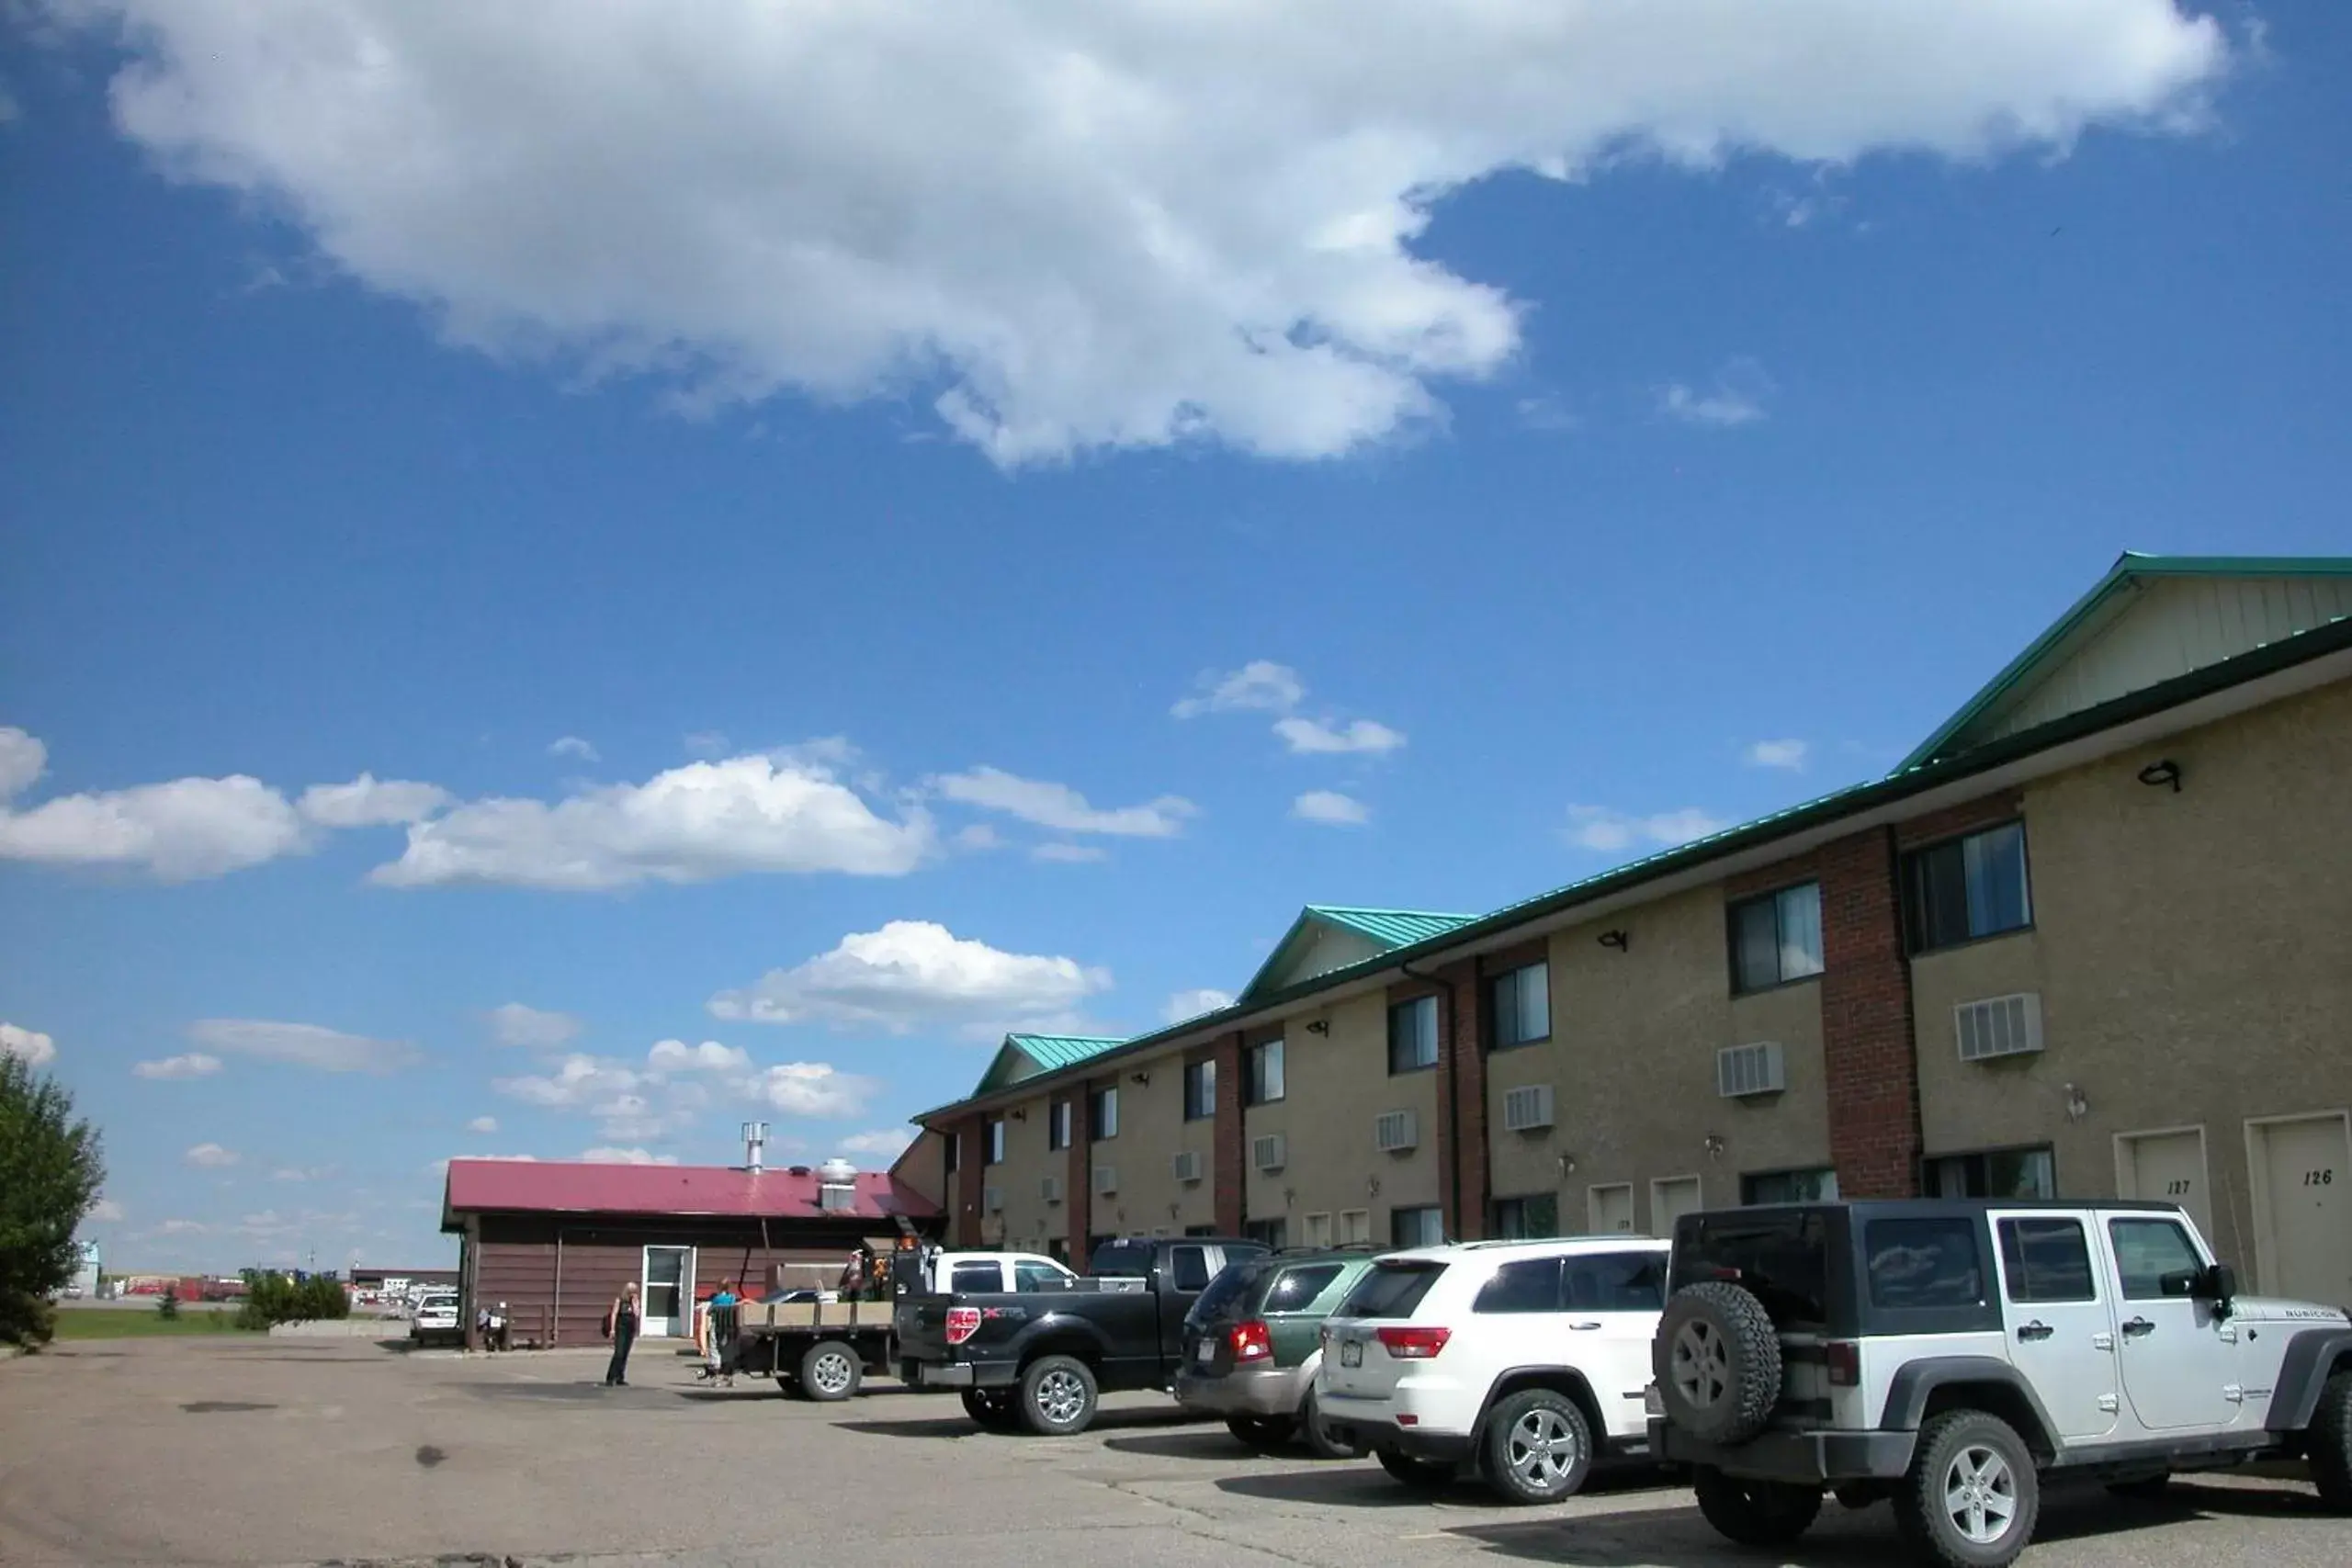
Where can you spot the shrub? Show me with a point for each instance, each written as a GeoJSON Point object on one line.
{"type": "Point", "coordinates": [168, 1304]}
{"type": "Point", "coordinates": [281, 1298]}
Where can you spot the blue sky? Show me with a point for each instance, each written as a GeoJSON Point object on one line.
{"type": "Point", "coordinates": [860, 489]}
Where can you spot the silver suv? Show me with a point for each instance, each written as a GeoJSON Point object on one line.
{"type": "Point", "coordinates": [1951, 1356]}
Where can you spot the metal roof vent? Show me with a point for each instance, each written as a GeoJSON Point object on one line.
{"type": "Point", "coordinates": [837, 1185]}
{"type": "Point", "coordinates": [755, 1144]}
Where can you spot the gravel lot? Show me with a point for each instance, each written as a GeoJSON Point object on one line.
{"type": "Point", "coordinates": [286, 1451]}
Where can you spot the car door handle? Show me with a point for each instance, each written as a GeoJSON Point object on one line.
{"type": "Point", "coordinates": [2036, 1330]}
{"type": "Point", "coordinates": [1583, 1327]}
{"type": "Point", "coordinates": [2138, 1327]}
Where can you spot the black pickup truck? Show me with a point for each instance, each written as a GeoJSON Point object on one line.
{"type": "Point", "coordinates": [1038, 1358]}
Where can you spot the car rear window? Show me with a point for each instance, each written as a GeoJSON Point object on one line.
{"type": "Point", "coordinates": [982, 1278]}
{"type": "Point", "coordinates": [1781, 1256]}
{"type": "Point", "coordinates": [1224, 1295]}
{"type": "Point", "coordinates": [1917, 1264]}
{"type": "Point", "coordinates": [1391, 1290]}
{"type": "Point", "coordinates": [1296, 1289]}
{"type": "Point", "coordinates": [1122, 1261]}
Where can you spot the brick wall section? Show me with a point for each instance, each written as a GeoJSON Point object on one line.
{"type": "Point", "coordinates": [1077, 1182]}
{"type": "Point", "coordinates": [1461, 1098]}
{"type": "Point", "coordinates": [1866, 1020]}
{"type": "Point", "coordinates": [965, 1218]}
{"type": "Point", "coordinates": [1231, 1157]}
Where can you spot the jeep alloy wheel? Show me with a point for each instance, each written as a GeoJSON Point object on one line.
{"type": "Point", "coordinates": [1972, 1495]}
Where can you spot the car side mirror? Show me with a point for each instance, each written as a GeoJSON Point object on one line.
{"type": "Point", "coordinates": [2221, 1283]}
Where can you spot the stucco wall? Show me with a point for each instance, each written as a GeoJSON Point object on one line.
{"type": "Point", "coordinates": [1339, 1084]}
{"type": "Point", "coordinates": [1027, 1221]}
{"type": "Point", "coordinates": [924, 1166]}
{"type": "Point", "coordinates": [1152, 1129]}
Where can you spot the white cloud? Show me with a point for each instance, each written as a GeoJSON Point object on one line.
{"type": "Point", "coordinates": [178, 831]}
{"type": "Point", "coordinates": [629, 1104]}
{"type": "Point", "coordinates": [571, 746]}
{"type": "Point", "coordinates": [710, 1056]}
{"type": "Point", "coordinates": [885, 1144]}
{"type": "Point", "coordinates": [609, 1156]}
{"type": "Point", "coordinates": [979, 836]}
{"type": "Point", "coordinates": [211, 1157]}
{"type": "Point", "coordinates": [1331, 809]}
{"type": "Point", "coordinates": [484, 1124]}
{"type": "Point", "coordinates": [23, 758]}
{"type": "Point", "coordinates": [1597, 828]}
{"type": "Point", "coordinates": [1547, 412]}
{"type": "Point", "coordinates": [1062, 808]}
{"type": "Point", "coordinates": [912, 974]}
{"type": "Point", "coordinates": [106, 1212]}
{"type": "Point", "coordinates": [694, 823]}
{"type": "Point", "coordinates": [1789, 754]}
{"type": "Point", "coordinates": [810, 1089]}
{"type": "Point", "coordinates": [512, 1023]}
{"type": "Point", "coordinates": [296, 1173]}
{"type": "Point", "coordinates": [193, 1064]}
{"type": "Point", "coordinates": [180, 1227]}
{"type": "Point", "coordinates": [1232, 205]}
{"type": "Point", "coordinates": [1071, 853]}
{"type": "Point", "coordinates": [1313, 737]}
{"type": "Point", "coordinates": [1192, 1004]}
{"type": "Point", "coordinates": [1261, 686]}
{"type": "Point", "coordinates": [370, 802]}
{"type": "Point", "coordinates": [29, 1046]}
{"type": "Point", "coordinates": [1736, 398]}
{"type": "Point", "coordinates": [303, 1045]}
{"type": "Point", "coordinates": [578, 1082]}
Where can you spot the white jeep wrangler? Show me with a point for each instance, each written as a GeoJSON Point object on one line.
{"type": "Point", "coordinates": [1951, 1355]}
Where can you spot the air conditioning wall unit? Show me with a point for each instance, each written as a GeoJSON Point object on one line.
{"type": "Point", "coordinates": [1394, 1132]}
{"type": "Point", "coordinates": [1106, 1178]}
{"type": "Point", "coordinates": [1998, 1026]}
{"type": "Point", "coordinates": [1050, 1188]}
{"type": "Point", "coordinates": [1743, 1071]}
{"type": "Point", "coordinates": [993, 1199]}
{"type": "Point", "coordinates": [1271, 1152]}
{"type": "Point", "coordinates": [1527, 1109]}
{"type": "Point", "coordinates": [1186, 1167]}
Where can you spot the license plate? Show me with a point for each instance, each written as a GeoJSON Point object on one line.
{"type": "Point", "coordinates": [1350, 1352]}
{"type": "Point", "coordinates": [1205, 1352]}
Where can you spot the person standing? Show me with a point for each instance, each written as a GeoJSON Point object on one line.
{"type": "Point", "coordinates": [621, 1323]}
{"type": "Point", "coordinates": [719, 1333]}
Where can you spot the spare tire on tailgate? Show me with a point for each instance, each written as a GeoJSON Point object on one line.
{"type": "Point", "coordinates": [1717, 1360]}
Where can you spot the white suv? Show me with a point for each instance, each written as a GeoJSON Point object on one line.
{"type": "Point", "coordinates": [1521, 1359]}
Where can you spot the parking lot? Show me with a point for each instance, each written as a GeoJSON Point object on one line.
{"type": "Point", "coordinates": [288, 1451]}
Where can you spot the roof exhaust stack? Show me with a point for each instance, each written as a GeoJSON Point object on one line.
{"type": "Point", "coordinates": [837, 1186]}
{"type": "Point", "coordinates": [755, 1144]}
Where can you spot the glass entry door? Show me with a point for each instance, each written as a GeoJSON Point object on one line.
{"type": "Point", "coordinates": [669, 1290]}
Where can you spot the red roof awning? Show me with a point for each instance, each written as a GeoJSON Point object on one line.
{"type": "Point", "coordinates": [572, 1187]}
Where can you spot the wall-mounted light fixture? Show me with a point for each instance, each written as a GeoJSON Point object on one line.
{"type": "Point", "coordinates": [1372, 1186]}
{"type": "Point", "coordinates": [1321, 1026]}
{"type": "Point", "coordinates": [1019, 1113]}
{"type": "Point", "coordinates": [1567, 1164]}
{"type": "Point", "coordinates": [1715, 1146]}
{"type": "Point", "coordinates": [1140, 1078]}
{"type": "Point", "coordinates": [1616, 939]}
{"type": "Point", "coordinates": [2078, 1104]}
{"type": "Point", "coordinates": [2160, 772]}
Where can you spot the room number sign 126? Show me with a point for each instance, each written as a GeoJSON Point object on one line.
{"type": "Point", "coordinates": [2320, 1177]}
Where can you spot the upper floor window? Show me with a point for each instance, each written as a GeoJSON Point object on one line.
{"type": "Point", "coordinates": [1967, 888]}
{"type": "Point", "coordinates": [1520, 1002]}
{"type": "Point", "coordinates": [1057, 1124]}
{"type": "Point", "coordinates": [1412, 1035]}
{"type": "Point", "coordinates": [992, 1141]}
{"type": "Point", "coordinates": [1265, 1072]}
{"type": "Point", "coordinates": [1106, 1112]}
{"type": "Point", "coordinates": [1776, 938]}
{"type": "Point", "coordinates": [952, 1146]}
{"type": "Point", "coordinates": [1200, 1089]}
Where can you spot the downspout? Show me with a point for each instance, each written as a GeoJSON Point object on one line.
{"type": "Point", "coordinates": [555, 1320]}
{"type": "Point", "coordinates": [1450, 1174]}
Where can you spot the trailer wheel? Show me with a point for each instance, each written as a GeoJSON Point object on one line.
{"type": "Point", "coordinates": [831, 1371]}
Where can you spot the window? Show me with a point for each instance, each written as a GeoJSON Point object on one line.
{"type": "Point", "coordinates": [2047, 1260]}
{"type": "Point", "coordinates": [1527, 1219]}
{"type": "Point", "coordinates": [1412, 1035]}
{"type": "Point", "coordinates": [1057, 1121]}
{"type": "Point", "coordinates": [1776, 939]}
{"type": "Point", "coordinates": [1271, 1235]}
{"type": "Point", "coordinates": [993, 1138]}
{"type": "Point", "coordinates": [1036, 1277]}
{"type": "Point", "coordinates": [1417, 1226]}
{"type": "Point", "coordinates": [1967, 888]}
{"type": "Point", "coordinates": [1520, 1005]}
{"type": "Point", "coordinates": [983, 1277]}
{"type": "Point", "coordinates": [2147, 1250]}
{"type": "Point", "coordinates": [1059, 1249]}
{"type": "Point", "coordinates": [1189, 1268]}
{"type": "Point", "coordinates": [1116, 1258]}
{"type": "Point", "coordinates": [1298, 1288]}
{"type": "Point", "coordinates": [1999, 1173]}
{"type": "Point", "coordinates": [1530, 1286]}
{"type": "Point", "coordinates": [1319, 1230]}
{"type": "Point", "coordinates": [1614, 1282]}
{"type": "Point", "coordinates": [955, 1148]}
{"type": "Point", "coordinates": [1105, 1116]}
{"type": "Point", "coordinates": [1200, 1230]}
{"type": "Point", "coordinates": [1819, 1186]}
{"type": "Point", "coordinates": [1782, 1254]}
{"type": "Point", "coordinates": [1200, 1089]}
{"type": "Point", "coordinates": [1924, 1264]}
{"type": "Point", "coordinates": [1266, 1072]}
{"type": "Point", "coordinates": [1355, 1227]}
{"type": "Point", "coordinates": [1390, 1290]}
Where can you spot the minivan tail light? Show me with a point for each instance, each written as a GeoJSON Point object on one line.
{"type": "Point", "coordinates": [1845, 1359]}
{"type": "Point", "coordinates": [962, 1324]}
{"type": "Point", "coordinates": [1413, 1344]}
{"type": "Point", "coordinates": [1251, 1341]}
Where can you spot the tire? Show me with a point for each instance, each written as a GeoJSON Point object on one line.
{"type": "Point", "coordinates": [1317, 1437]}
{"type": "Point", "coordinates": [1420, 1475]}
{"type": "Point", "coordinates": [1536, 1447]}
{"type": "Point", "coordinates": [2329, 1445]}
{"type": "Point", "coordinates": [1261, 1434]}
{"type": "Point", "coordinates": [1980, 1453]}
{"type": "Point", "coordinates": [1058, 1396]}
{"type": "Point", "coordinates": [1754, 1513]}
{"type": "Point", "coordinates": [831, 1371]}
{"type": "Point", "coordinates": [992, 1408]}
{"type": "Point", "coordinates": [1717, 1361]}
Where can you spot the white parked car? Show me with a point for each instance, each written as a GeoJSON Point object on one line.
{"type": "Point", "coordinates": [992, 1272]}
{"type": "Point", "coordinates": [1524, 1361]}
{"type": "Point", "coordinates": [436, 1318]}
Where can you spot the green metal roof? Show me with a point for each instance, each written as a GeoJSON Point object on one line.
{"type": "Point", "coordinates": [1027, 1056]}
{"type": "Point", "coordinates": [2088, 611]}
{"type": "Point", "coordinates": [1386, 929]}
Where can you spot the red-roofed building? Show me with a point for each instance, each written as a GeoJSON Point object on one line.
{"type": "Point", "coordinates": [555, 1240]}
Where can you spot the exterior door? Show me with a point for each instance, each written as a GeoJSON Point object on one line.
{"type": "Point", "coordinates": [668, 1292]}
{"type": "Point", "coordinates": [1672, 1197]}
{"type": "Point", "coordinates": [1611, 1209]}
{"type": "Point", "coordinates": [2064, 1311]}
{"type": "Point", "coordinates": [2302, 1210]}
{"type": "Point", "coordinates": [2167, 1168]}
{"type": "Point", "coordinates": [2179, 1362]}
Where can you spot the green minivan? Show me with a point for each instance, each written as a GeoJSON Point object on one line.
{"type": "Point", "coordinates": [1254, 1339]}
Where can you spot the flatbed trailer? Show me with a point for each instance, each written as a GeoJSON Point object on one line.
{"type": "Point", "coordinates": [818, 1351]}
